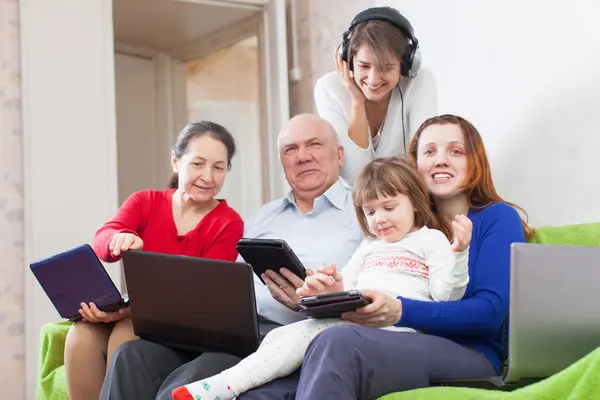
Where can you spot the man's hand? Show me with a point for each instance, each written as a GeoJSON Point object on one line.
{"type": "Point", "coordinates": [283, 287]}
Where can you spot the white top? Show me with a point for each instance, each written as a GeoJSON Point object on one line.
{"type": "Point", "coordinates": [334, 105]}
{"type": "Point", "coordinates": [421, 266]}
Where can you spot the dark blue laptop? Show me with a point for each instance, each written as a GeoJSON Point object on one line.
{"type": "Point", "coordinates": [75, 276]}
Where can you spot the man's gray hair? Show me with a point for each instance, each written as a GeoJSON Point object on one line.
{"type": "Point", "coordinates": [308, 118]}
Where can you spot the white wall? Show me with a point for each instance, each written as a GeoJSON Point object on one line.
{"type": "Point", "coordinates": [274, 74]}
{"type": "Point", "coordinates": [140, 155]}
{"type": "Point", "coordinates": [527, 74]}
{"type": "Point", "coordinates": [12, 247]}
{"type": "Point", "coordinates": [69, 139]}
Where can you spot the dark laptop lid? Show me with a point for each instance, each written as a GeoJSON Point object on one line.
{"type": "Point", "coordinates": [192, 303]}
{"type": "Point", "coordinates": [554, 317]}
{"type": "Point", "coordinates": [75, 276]}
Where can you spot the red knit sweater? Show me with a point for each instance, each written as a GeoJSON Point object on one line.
{"type": "Point", "coordinates": [148, 214]}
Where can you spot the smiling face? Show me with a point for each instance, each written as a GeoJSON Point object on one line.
{"type": "Point", "coordinates": [442, 160]}
{"type": "Point", "coordinates": [375, 79]}
{"type": "Point", "coordinates": [202, 168]}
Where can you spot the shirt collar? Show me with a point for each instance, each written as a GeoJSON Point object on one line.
{"type": "Point", "coordinates": [336, 195]}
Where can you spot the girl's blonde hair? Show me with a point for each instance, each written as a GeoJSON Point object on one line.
{"type": "Point", "coordinates": [390, 177]}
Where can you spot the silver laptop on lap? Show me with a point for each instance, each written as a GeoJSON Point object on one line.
{"type": "Point", "coordinates": [554, 316]}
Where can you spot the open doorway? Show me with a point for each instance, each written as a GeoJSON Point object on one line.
{"type": "Point", "coordinates": [223, 87]}
{"type": "Point", "coordinates": [178, 61]}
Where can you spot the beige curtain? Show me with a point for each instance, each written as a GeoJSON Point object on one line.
{"type": "Point", "coordinates": [12, 339]}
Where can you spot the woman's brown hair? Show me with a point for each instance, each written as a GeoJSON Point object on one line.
{"type": "Point", "coordinates": [382, 38]}
{"type": "Point", "coordinates": [392, 176]}
{"type": "Point", "coordinates": [478, 186]}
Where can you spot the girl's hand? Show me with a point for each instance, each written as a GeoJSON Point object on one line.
{"type": "Point", "coordinates": [383, 311]}
{"type": "Point", "coordinates": [325, 280]}
{"type": "Point", "coordinates": [124, 241]}
{"type": "Point", "coordinates": [92, 313]}
{"type": "Point", "coordinates": [462, 229]}
{"type": "Point", "coordinates": [347, 77]}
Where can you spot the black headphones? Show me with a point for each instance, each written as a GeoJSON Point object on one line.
{"type": "Point", "coordinates": [412, 56]}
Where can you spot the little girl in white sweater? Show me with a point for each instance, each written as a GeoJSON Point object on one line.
{"type": "Point", "coordinates": [403, 255]}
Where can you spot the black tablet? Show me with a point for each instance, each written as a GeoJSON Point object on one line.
{"type": "Point", "coordinates": [273, 254]}
{"type": "Point", "coordinates": [332, 305]}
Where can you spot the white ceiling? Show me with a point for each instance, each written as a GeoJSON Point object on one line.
{"type": "Point", "coordinates": [163, 25]}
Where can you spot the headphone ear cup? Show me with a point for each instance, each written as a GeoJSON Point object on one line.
{"type": "Point", "coordinates": [343, 48]}
{"type": "Point", "coordinates": [412, 62]}
{"type": "Point", "coordinates": [350, 65]}
{"type": "Point", "coordinates": [344, 52]}
{"type": "Point", "coordinates": [415, 64]}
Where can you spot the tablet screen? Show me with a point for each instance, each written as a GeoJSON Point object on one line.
{"type": "Point", "coordinates": [273, 254]}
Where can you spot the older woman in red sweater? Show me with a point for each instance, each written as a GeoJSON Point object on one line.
{"type": "Point", "coordinates": [186, 219]}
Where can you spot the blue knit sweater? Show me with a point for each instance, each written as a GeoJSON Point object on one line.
{"type": "Point", "coordinates": [476, 321]}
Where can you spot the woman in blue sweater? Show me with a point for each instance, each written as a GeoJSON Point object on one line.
{"type": "Point", "coordinates": [459, 339]}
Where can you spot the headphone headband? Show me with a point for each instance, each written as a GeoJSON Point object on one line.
{"type": "Point", "coordinates": [387, 14]}
{"type": "Point", "coordinates": [412, 56]}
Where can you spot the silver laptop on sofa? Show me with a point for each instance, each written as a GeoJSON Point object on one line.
{"type": "Point", "coordinates": [554, 316]}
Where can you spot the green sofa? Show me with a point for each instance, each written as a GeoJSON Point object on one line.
{"type": "Point", "coordinates": [579, 381]}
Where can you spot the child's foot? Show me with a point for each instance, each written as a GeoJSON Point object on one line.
{"type": "Point", "coordinates": [181, 393]}
{"type": "Point", "coordinates": [208, 389]}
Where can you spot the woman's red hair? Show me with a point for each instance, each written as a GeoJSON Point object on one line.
{"type": "Point", "coordinates": [479, 186]}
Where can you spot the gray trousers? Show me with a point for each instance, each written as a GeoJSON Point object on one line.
{"type": "Point", "coordinates": [350, 362]}
{"type": "Point", "coordinates": [343, 362]}
{"type": "Point", "coordinates": [143, 370]}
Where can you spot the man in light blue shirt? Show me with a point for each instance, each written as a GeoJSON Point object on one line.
{"type": "Point", "coordinates": [317, 219]}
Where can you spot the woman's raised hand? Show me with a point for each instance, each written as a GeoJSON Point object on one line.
{"type": "Point", "coordinates": [124, 241]}
{"type": "Point", "coordinates": [343, 69]}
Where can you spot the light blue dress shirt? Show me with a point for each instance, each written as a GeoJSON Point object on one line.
{"type": "Point", "coordinates": [328, 234]}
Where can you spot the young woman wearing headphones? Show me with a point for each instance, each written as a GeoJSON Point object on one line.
{"type": "Point", "coordinates": [383, 94]}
